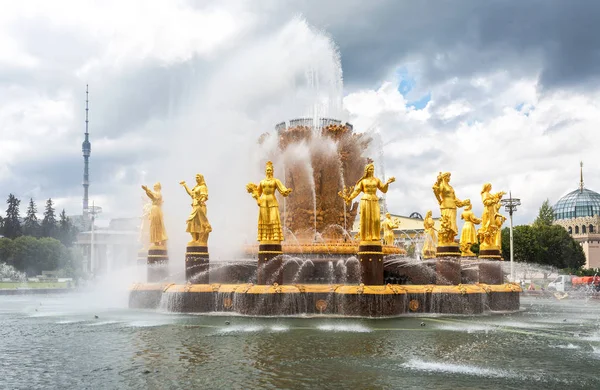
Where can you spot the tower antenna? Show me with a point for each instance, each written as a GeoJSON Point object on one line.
{"type": "Point", "coordinates": [86, 147]}
{"type": "Point", "coordinates": [581, 176]}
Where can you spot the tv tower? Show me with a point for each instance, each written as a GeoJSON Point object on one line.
{"type": "Point", "coordinates": [86, 147]}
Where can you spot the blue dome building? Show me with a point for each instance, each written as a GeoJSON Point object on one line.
{"type": "Point", "coordinates": [579, 213]}
{"type": "Point", "coordinates": [579, 203]}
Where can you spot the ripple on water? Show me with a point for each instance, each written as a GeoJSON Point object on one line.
{"type": "Point", "coordinates": [100, 323]}
{"type": "Point", "coordinates": [353, 328]}
{"type": "Point", "coordinates": [64, 322]}
{"type": "Point", "coordinates": [241, 329]}
{"type": "Point", "coordinates": [464, 369]}
{"type": "Point", "coordinates": [566, 346]}
{"type": "Point", "coordinates": [468, 328]}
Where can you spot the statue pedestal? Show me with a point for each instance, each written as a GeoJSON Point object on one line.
{"type": "Point", "coordinates": [447, 271]}
{"type": "Point", "coordinates": [197, 264]}
{"type": "Point", "coordinates": [270, 265]}
{"type": "Point", "coordinates": [370, 258]}
{"type": "Point", "coordinates": [492, 254]}
{"type": "Point", "coordinates": [491, 273]}
{"type": "Point", "coordinates": [451, 250]}
{"type": "Point", "coordinates": [157, 264]}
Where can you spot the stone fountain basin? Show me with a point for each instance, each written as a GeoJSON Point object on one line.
{"type": "Point", "coordinates": [326, 299]}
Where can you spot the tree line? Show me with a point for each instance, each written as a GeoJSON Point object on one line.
{"type": "Point", "coordinates": [33, 246]}
{"type": "Point", "coordinates": [544, 243]}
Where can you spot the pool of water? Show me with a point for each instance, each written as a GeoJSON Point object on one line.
{"type": "Point", "coordinates": [57, 342]}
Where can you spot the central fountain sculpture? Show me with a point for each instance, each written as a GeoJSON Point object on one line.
{"type": "Point", "coordinates": [308, 263]}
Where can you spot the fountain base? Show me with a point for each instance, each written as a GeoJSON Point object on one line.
{"type": "Point", "coordinates": [492, 254]}
{"type": "Point", "coordinates": [345, 300]}
{"type": "Point", "coordinates": [158, 264]}
{"type": "Point", "coordinates": [196, 264]}
{"type": "Point", "coordinates": [448, 251]}
{"type": "Point", "coordinates": [269, 264]}
{"type": "Point", "coordinates": [371, 264]}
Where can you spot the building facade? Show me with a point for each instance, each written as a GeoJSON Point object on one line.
{"type": "Point", "coordinates": [579, 213]}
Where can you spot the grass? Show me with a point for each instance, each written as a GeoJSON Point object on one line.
{"type": "Point", "coordinates": [13, 285]}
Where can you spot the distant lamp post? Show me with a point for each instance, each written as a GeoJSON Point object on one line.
{"type": "Point", "coordinates": [93, 211]}
{"type": "Point", "coordinates": [510, 205]}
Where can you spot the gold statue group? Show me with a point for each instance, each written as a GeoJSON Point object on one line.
{"type": "Point", "coordinates": [271, 232]}
{"type": "Point", "coordinates": [489, 235]}
{"type": "Point", "coordinates": [197, 223]}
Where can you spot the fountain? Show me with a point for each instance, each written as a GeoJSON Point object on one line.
{"type": "Point", "coordinates": [306, 260]}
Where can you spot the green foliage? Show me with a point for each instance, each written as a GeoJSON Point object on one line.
{"type": "Point", "coordinates": [49, 222]}
{"type": "Point", "coordinates": [581, 271]}
{"type": "Point", "coordinates": [31, 225]}
{"type": "Point", "coordinates": [410, 251]}
{"type": "Point", "coordinates": [6, 250]}
{"type": "Point", "coordinates": [475, 248]}
{"type": "Point", "coordinates": [12, 225]}
{"type": "Point", "coordinates": [66, 230]}
{"type": "Point", "coordinates": [33, 255]}
{"type": "Point", "coordinates": [543, 244]}
{"type": "Point", "coordinates": [545, 215]}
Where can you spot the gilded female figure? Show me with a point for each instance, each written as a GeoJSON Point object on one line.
{"type": "Point", "coordinates": [468, 236]}
{"type": "Point", "coordinates": [370, 222]}
{"type": "Point", "coordinates": [389, 224]}
{"type": "Point", "coordinates": [269, 221]}
{"type": "Point", "coordinates": [448, 201]}
{"type": "Point", "coordinates": [500, 219]}
{"type": "Point", "coordinates": [430, 244]}
{"type": "Point", "coordinates": [489, 226]}
{"type": "Point", "coordinates": [158, 235]}
{"type": "Point", "coordinates": [197, 222]}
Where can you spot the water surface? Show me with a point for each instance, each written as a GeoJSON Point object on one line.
{"type": "Point", "coordinates": [56, 342]}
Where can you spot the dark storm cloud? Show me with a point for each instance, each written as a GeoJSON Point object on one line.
{"type": "Point", "coordinates": [465, 38]}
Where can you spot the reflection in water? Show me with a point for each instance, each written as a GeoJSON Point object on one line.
{"type": "Point", "coordinates": [145, 349]}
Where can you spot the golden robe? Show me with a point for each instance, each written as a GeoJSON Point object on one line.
{"type": "Point", "coordinates": [469, 233]}
{"type": "Point", "coordinates": [197, 222]}
{"type": "Point", "coordinates": [370, 216]}
{"type": "Point", "coordinates": [430, 244]}
{"type": "Point", "coordinates": [157, 227]}
{"type": "Point", "coordinates": [388, 231]}
{"type": "Point", "coordinates": [269, 220]}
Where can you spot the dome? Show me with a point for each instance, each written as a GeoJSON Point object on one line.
{"type": "Point", "coordinates": [579, 203]}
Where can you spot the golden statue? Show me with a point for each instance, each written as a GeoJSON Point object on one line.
{"type": "Point", "coordinates": [269, 221]}
{"type": "Point", "coordinates": [197, 223]}
{"type": "Point", "coordinates": [430, 244]}
{"type": "Point", "coordinates": [489, 226]}
{"type": "Point", "coordinates": [500, 219]}
{"type": "Point", "coordinates": [468, 236]}
{"type": "Point", "coordinates": [370, 222]}
{"type": "Point", "coordinates": [448, 201]}
{"type": "Point", "coordinates": [389, 224]}
{"type": "Point", "coordinates": [446, 234]}
{"type": "Point", "coordinates": [158, 235]}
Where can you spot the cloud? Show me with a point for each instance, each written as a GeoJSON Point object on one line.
{"type": "Point", "coordinates": [502, 92]}
{"type": "Point", "coordinates": [534, 152]}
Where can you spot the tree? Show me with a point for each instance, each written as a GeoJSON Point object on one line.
{"type": "Point", "coordinates": [6, 250]}
{"type": "Point", "coordinates": [543, 244]}
{"type": "Point", "coordinates": [49, 221]}
{"type": "Point", "coordinates": [66, 230]}
{"type": "Point", "coordinates": [558, 248]}
{"type": "Point", "coordinates": [31, 225]}
{"type": "Point", "coordinates": [12, 224]}
{"type": "Point", "coordinates": [545, 216]}
{"type": "Point", "coordinates": [33, 255]}
{"type": "Point", "coordinates": [26, 254]}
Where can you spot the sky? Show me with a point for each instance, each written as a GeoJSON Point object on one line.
{"type": "Point", "coordinates": [505, 92]}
